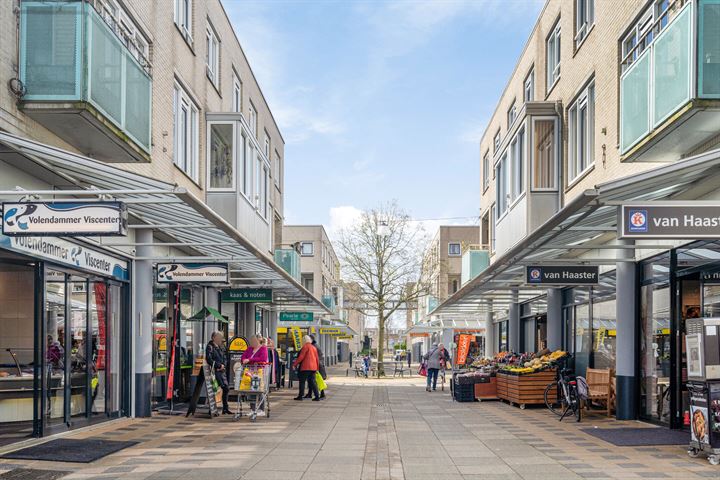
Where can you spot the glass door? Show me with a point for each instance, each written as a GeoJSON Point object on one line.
{"type": "Point", "coordinates": [81, 356]}
{"type": "Point", "coordinates": [55, 347]}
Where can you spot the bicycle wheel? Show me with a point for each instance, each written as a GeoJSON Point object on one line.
{"type": "Point", "coordinates": [556, 406]}
{"type": "Point", "coordinates": [576, 404]}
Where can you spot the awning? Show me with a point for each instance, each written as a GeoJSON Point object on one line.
{"type": "Point", "coordinates": [173, 213]}
{"type": "Point", "coordinates": [583, 232]}
{"type": "Point", "coordinates": [206, 312]}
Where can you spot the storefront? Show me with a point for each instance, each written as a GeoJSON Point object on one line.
{"type": "Point", "coordinates": [64, 336]}
{"type": "Point", "coordinates": [533, 325]}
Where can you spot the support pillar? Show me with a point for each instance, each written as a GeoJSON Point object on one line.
{"type": "Point", "coordinates": [490, 348]}
{"type": "Point", "coordinates": [142, 334]}
{"type": "Point", "coordinates": [514, 324]}
{"type": "Point", "coordinates": [554, 319]}
{"type": "Point", "coordinates": [626, 308]}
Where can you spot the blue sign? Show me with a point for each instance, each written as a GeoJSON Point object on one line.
{"type": "Point", "coordinates": [637, 221]}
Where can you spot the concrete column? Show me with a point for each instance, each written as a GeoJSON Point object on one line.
{"type": "Point", "coordinates": [272, 329]}
{"type": "Point", "coordinates": [142, 324]}
{"type": "Point", "coordinates": [514, 324]}
{"type": "Point", "coordinates": [489, 332]}
{"type": "Point", "coordinates": [626, 308]}
{"type": "Point", "coordinates": [554, 318]}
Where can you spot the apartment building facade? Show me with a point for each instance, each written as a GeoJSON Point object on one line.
{"type": "Point", "coordinates": [610, 103]}
{"type": "Point", "coordinates": [151, 107]}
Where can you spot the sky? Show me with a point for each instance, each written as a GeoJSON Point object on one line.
{"type": "Point", "coordinates": [382, 100]}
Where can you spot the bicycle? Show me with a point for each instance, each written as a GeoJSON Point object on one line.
{"type": "Point", "coordinates": [567, 400]}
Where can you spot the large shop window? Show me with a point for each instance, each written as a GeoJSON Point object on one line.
{"type": "Point", "coordinates": [502, 328]}
{"type": "Point", "coordinates": [655, 343]}
{"type": "Point", "coordinates": [604, 327]}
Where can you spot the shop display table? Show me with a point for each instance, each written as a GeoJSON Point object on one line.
{"type": "Point", "coordinates": [486, 389]}
{"type": "Point", "coordinates": [526, 389]}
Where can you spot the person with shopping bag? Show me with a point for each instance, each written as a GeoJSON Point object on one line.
{"type": "Point", "coordinates": [321, 374]}
{"type": "Point", "coordinates": [215, 357]}
{"type": "Point", "coordinates": [308, 364]}
{"type": "Point", "coordinates": [435, 359]}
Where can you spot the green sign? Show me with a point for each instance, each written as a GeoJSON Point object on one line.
{"type": "Point", "coordinates": [296, 316]}
{"type": "Point", "coordinates": [247, 295]}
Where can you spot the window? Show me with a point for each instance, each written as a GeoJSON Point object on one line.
{"type": "Point", "coordinates": [493, 219]}
{"type": "Point", "coordinates": [265, 198]}
{"type": "Point", "coordinates": [277, 174]}
{"type": "Point", "coordinates": [307, 281]}
{"type": "Point", "coordinates": [185, 127]}
{"type": "Point", "coordinates": [552, 53]}
{"type": "Point", "coordinates": [584, 19]}
{"type": "Point", "coordinates": [237, 94]}
{"type": "Point", "coordinates": [246, 151]}
{"type": "Point", "coordinates": [511, 114]}
{"type": "Point", "coordinates": [213, 56]}
{"type": "Point", "coordinates": [517, 151]}
{"type": "Point", "coordinates": [486, 170]}
{"type": "Point", "coordinates": [485, 231]}
{"type": "Point", "coordinates": [221, 157]}
{"type": "Point", "coordinates": [501, 181]}
{"type": "Point", "coordinates": [252, 119]}
{"type": "Point", "coordinates": [306, 249]}
{"type": "Point", "coordinates": [258, 181]}
{"type": "Point", "coordinates": [580, 131]}
{"type": "Point", "coordinates": [642, 33]}
{"type": "Point", "coordinates": [266, 148]}
{"type": "Point", "coordinates": [454, 286]}
{"type": "Point", "coordinates": [529, 87]}
{"type": "Point", "coordinates": [454, 249]}
{"type": "Point", "coordinates": [544, 155]}
{"type": "Point", "coordinates": [183, 18]}
{"type": "Point", "coordinates": [496, 142]}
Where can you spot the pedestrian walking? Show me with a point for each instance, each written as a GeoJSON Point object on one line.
{"type": "Point", "coordinates": [321, 360]}
{"type": "Point", "coordinates": [436, 359]}
{"type": "Point", "coordinates": [215, 357]}
{"type": "Point", "coordinates": [307, 363]}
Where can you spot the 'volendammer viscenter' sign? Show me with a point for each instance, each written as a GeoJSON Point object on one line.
{"type": "Point", "coordinates": [192, 273]}
{"type": "Point", "coordinates": [64, 218]}
{"type": "Point", "coordinates": [562, 275]}
{"type": "Point", "coordinates": [669, 220]}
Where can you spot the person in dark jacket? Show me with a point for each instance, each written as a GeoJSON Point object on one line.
{"type": "Point", "coordinates": [321, 358]}
{"type": "Point", "coordinates": [215, 357]}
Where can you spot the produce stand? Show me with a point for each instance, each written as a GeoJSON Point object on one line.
{"type": "Point", "coordinates": [524, 389]}
{"type": "Point", "coordinates": [486, 389]}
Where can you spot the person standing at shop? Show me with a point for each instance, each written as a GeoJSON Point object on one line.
{"type": "Point", "coordinates": [256, 353]}
{"type": "Point", "coordinates": [215, 357]}
{"type": "Point", "coordinates": [321, 360]}
{"type": "Point", "coordinates": [308, 363]}
{"type": "Point", "coordinates": [436, 359]}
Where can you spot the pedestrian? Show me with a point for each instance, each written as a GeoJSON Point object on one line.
{"type": "Point", "coordinates": [436, 360]}
{"type": "Point", "coordinates": [366, 365]}
{"type": "Point", "coordinates": [215, 357]}
{"type": "Point", "coordinates": [307, 363]}
{"type": "Point", "coordinates": [321, 360]}
{"type": "Point", "coordinates": [256, 353]}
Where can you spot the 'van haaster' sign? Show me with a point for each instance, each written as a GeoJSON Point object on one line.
{"type": "Point", "coordinates": [669, 220]}
{"type": "Point", "coordinates": [192, 273]}
{"type": "Point", "coordinates": [64, 218]}
{"type": "Point", "coordinates": [562, 275]}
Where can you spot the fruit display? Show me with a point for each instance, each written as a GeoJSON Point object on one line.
{"type": "Point", "coordinates": [529, 363]}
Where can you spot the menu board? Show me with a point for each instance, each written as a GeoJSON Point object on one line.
{"type": "Point", "coordinates": [211, 390]}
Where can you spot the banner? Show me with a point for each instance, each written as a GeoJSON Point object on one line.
{"type": "Point", "coordinates": [297, 337]}
{"type": "Point", "coordinates": [65, 219]}
{"type": "Point", "coordinates": [463, 348]}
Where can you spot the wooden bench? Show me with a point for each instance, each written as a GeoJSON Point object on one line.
{"type": "Point", "coordinates": [600, 389]}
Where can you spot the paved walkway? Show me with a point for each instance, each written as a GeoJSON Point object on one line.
{"type": "Point", "coordinates": [375, 429]}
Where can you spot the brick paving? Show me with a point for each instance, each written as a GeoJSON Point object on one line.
{"type": "Point", "coordinates": [375, 429]}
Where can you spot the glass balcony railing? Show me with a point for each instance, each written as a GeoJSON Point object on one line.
{"type": "Point", "coordinates": [474, 261]}
{"type": "Point", "coordinates": [289, 260]}
{"type": "Point", "coordinates": [665, 76]}
{"type": "Point", "coordinates": [69, 54]}
{"type": "Point", "coordinates": [329, 302]}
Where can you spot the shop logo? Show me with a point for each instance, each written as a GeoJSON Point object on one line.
{"type": "Point", "coordinates": [15, 216]}
{"type": "Point", "coordinates": [637, 221]}
{"type": "Point", "coordinates": [535, 275]}
{"type": "Point", "coordinates": [75, 255]}
{"type": "Point", "coordinates": [166, 273]}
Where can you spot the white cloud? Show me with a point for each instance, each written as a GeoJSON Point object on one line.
{"type": "Point", "coordinates": [342, 217]}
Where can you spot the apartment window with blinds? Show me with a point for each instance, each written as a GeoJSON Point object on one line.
{"type": "Point", "coordinates": [584, 19]}
{"type": "Point", "coordinates": [529, 87]}
{"type": "Point", "coordinates": [237, 94]}
{"type": "Point", "coordinates": [212, 59]}
{"type": "Point", "coordinates": [552, 53]}
{"type": "Point", "coordinates": [183, 18]}
{"type": "Point", "coordinates": [486, 170]}
{"type": "Point", "coordinates": [580, 131]}
{"type": "Point", "coordinates": [185, 128]}
{"type": "Point", "coordinates": [544, 165]}
{"type": "Point", "coordinates": [454, 249]}
{"type": "Point", "coordinates": [517, 151]}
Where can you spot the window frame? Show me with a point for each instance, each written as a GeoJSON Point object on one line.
{"type": "Point", "coordinates": [578, 140]}
{"type": "Point", "coordinates": [302, 248]}
{"type": "Point", "coordinates": [277, 164]}
{"type": "Point", "coordinates": [584, 20]}
{"type": "Point", "coordinates": [552, 75]}
{"type": "Point", "coordinates": [502, 184]}
{"type": "Point", "coordinates": [511, 114]}
{"type": "Point", "coordinates": [556, 154]}
{"type": "Point", "coordinates": [212, 56]}
{"type": "Point", "coordinates": [459, 248]}
{"type": "Point", "coordinates": [236, 106]}
{"type": "Point", "coordinates": [496, 142]}
{"type": "Point", "coordinates": [183, 100]}
{"type": "Point", "coordinates": [183, 18]}
{"type": "Point", "coordinates": [208, 163]}
{"type": "Point", "coordinates": [493, 228]}
{"type": "Point", "coordinates": [486, 170]}
{"type": "Point", "coordinates": [529, 86]}
{"type": "Point", "coordinates": [518, 156]}
{"type": "Point", "coordinates": [246, 169]}
{"type": "Point", "coordinates": [253, 119]}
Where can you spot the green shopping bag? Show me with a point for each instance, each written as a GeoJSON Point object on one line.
{"type": "Point", "coordinates": [320, 382]}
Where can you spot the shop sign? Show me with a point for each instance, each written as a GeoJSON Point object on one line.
{"type": "Point", "coordinates": [711, 277]}
{"type": "Point", "coordinates": [463, 348]}
{"type": "Point", "coordinates": [296, 316]}
{"type": "Point", "coordinates": [345, 337]}
{"type": "Point", "coordinates": [247, 295]}
{"type": "Point", "coordinates": [68, 253]}
{"type": "Point", "coordinates": [562, 275]}
{"type": "Point", "coordinates": [238, 344]}
{"type": "Point", "coordinates": [192, 273]}
{"type": "Point", "coordinates": [331, 331]}
{"type": "Point", "coordinates": [297, 337]}
{"type": "Point", "coordinates": [669, 220]}
{"type": "Point", "coordinates": [64, 218]}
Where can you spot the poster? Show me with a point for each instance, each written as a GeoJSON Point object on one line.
{"type": "Point", "coordinates": [694, 355]}
{"type": "Point", "coordinates": [211, 390]}
{"type": "Point", "coordinates": [297, 337]}
{"type": "Point", "coordinates": [463, 348]}
{"type": "Point", "coordinates": [699, 425]}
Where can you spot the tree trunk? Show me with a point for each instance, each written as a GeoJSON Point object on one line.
{"type": "Point", "coordinates": [381, 346]}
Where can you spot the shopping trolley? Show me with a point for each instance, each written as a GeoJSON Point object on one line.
{"type": "Point", "coordinates": [252, 385]}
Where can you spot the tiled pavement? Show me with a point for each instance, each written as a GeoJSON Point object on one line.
{"type": "Point", "coordinates": [370, 429]}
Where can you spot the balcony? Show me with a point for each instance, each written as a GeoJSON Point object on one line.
{"type": "Point", "coordinates": [289, 260]}
{"type": "Point", "coordinates": [475, 259]}
{"type": "Point", "coordinates": [88, 88]}
{"type": "Point", "coordinates": [329, 302]}
{"type": "Point", "coordinates": [670, 86]}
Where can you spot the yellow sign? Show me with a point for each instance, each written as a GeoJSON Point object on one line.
{"type": "Point", "coordinates": [162, 344]}
{"type": "Point", "coordinates": [238, 344]}
{"type": "Point", "coordinates": [297, 337]}
{"type": "Point", "coordinates": [281, 329]}
{"type": "Point", "coordinates": [331, 331]}
{"type": "Point", "coordinates": [312, 330]}
{"type": "Point", "coordinates": [345, 337]}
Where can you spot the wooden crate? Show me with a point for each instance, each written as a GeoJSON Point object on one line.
{"type": "Point", "coordinates": [486, 391]}
{"type": "Point", "coordinates": [501, 386]}
{"type": "Point", "coordinates": [528, 389]}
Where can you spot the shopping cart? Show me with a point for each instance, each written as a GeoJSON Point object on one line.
{"type": "Point", "coordinates": [252, 385]}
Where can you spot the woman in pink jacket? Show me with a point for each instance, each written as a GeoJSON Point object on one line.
{"type": "Point", "coordinates": [257, 352]}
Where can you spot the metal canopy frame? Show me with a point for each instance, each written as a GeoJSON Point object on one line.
{"type": "Point", "coordinates": [583, 232]}
{"type": "Point", "coordinates": [168, 210]}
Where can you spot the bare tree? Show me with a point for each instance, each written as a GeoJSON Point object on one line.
{"type": "Point", "coordinates": [382, 252]}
